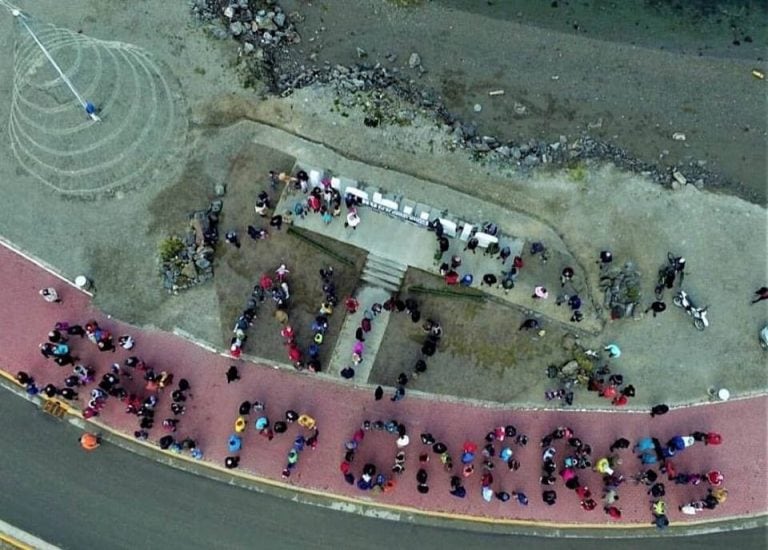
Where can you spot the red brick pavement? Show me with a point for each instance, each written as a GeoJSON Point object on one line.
{"type": "Point", "coordinates": [340, 409]}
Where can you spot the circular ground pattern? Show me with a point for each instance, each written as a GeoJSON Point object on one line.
{"type": "Point", "coordinates": [143, 127]}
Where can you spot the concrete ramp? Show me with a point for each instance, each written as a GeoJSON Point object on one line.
{"type": "Point", "coordinates": [342, 354]}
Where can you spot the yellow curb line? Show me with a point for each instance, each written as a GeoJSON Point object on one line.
{"type": "Point", "coordinates": [68, 409]}
{"type": "Point", "coordinates": [407, 509]}
{"type": "Point", "coordinates": [16, 543]}
{"type": "Point", "coordinates": [9, 376]}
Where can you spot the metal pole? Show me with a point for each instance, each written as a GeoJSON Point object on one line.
{"type": "Point", "coordinates": [87, 106]}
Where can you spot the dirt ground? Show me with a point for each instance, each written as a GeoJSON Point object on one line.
{"type": "Point", "coordinates": [482, 355]}
{"type": "Point", "coordinates": [238, 270]}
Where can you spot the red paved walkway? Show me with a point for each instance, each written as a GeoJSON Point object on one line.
{"type": "Point", "coordinates": [339, 411]}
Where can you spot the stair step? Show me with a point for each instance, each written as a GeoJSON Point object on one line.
{"type": "Point", "coordinates": [385, 265]}
{"type": "Point", "coordinates": [384, 284]}
{"type": "Point", "coordinates": [386, 275]}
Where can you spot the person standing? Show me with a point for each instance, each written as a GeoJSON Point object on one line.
{"type": "Point", "coordinates": [657, 307]}
{"type": "Point", "coordinates": [488, 279]}
{"type": "Point", "coordinates": [399, 394]}
{"type": "Point", "coordinates": [347, 373]}
{"type": "Point", "coordinates": [276, 221]}
{"type": "Point", "coordinates": [232, 374]}
{"type": "Point", "coordinates": [504, 253]}
{"type": "Point", "coordinates": [621, 443]}
{"type": "Point", "coordinates": [522, 499]}
{"type": "Point", "coordinates": [50, 295]}
{"type": "Point", "coordinates": [566, 276]}
{"type": "Point", "coordinates": [606, 257]}
{"type": "Point", "coordinates": [761, 293]}
{"type": "Point", "coordinates": [353, 220]}
{"type": "Point", "coordinates": [628, 391]}
{"type": "Point", "coordinates": [232, 238]}
{"type": "Point", "coordinates": [126, 342]}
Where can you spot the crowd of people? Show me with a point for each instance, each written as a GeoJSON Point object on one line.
{"type": "Point", "coordinates": [307, 439]}
{"type": "Point", "coordinates": [409, 307]}
{"type": "Point", "coordinates": [564, 456]}
{"type": "Point", "coordinates": [132, 382]}
{"type": "Point", "coordinates": [502, 279]}
{"type": "Point", "coordinates": [277, 288]}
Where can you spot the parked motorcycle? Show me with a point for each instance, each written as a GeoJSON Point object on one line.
{"type": "Point", "coordinates": [699, 314]}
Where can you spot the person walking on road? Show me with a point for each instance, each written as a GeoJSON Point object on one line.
{"type": "Point", "coordinates": [89, 441]}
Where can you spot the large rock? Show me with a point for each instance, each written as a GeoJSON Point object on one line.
{"type": "Point", "coordinates": [189, 271]}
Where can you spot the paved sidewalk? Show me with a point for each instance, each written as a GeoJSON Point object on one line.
{"type": "Point", "coordinates": [408, 243]}
{"type": "Point", "coordinates": [342, 354]}
{"type": "Point", "coordinates": [340, 409]}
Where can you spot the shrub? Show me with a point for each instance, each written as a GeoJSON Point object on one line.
{"type": "Point", "coordinates": [170, 248]}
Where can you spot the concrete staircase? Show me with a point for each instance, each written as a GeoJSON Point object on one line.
{"type": "Point", "coordinates": [383, 273]}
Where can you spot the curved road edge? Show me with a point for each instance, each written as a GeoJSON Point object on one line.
{"type": "Point", "coordinates": [369, 508]}
{"type": "Point", "coordinates": [15, 538]}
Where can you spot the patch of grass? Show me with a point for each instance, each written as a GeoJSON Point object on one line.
{"type": "Point", "coordinates": [577, 172]}
{"type": "Point", "coordinates": [488, 356]}
{"type": "Point", "coordinates": [305, 236]}
{"type": "Point", "coordinates": [170, 248]}
{"type": "Point", "coordinates": [468, 293]}
{"type": "Point", "coordinates": [199, 70]}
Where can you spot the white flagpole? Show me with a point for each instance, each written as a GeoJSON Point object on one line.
{"type": "Point", "coordinates": [89, 108]}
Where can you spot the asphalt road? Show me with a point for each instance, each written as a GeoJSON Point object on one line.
{"type": "Point", "coordinates": [113, 499]}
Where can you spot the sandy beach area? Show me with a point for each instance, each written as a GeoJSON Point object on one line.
{"type": "Point", "coordinates": [630, 74]}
